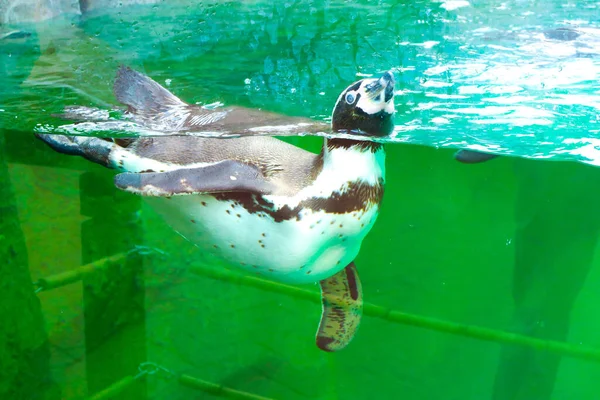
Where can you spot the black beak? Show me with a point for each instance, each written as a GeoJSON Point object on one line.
{"type": "Point", "coordinates": [387, 80]}
{"type": "Point", "coordinates": [385, 83]}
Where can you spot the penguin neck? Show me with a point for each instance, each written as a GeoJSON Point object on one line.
{"type": "Point", "coordinates": [349, 144]}
{"type": "Point", "coordinates": [363, 159]}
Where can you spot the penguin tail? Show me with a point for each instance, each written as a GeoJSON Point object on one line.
{"type": "Point", "coordinates": [143, 95]}
{"type": "Point", "coordinates": [158, 109]}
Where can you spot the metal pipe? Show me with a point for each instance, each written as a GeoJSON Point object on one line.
{"type": "Point", "coordinates": [74, 275]}
{"type": "Point", "coordinates": [399, 317]}
{"type": "Point", "coordinates": [217, 390]}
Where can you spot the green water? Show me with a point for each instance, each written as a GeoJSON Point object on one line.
{"type": "Point", "coordinates": [508, 245]}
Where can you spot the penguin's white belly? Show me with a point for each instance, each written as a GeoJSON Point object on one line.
{"type": "Point", "coordinates": [308, 249]}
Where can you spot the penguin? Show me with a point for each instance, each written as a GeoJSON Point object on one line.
{"type": "Point", "coordinates": [258, 203]}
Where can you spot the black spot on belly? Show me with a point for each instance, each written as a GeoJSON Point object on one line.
{"type": "Point", "coordinates": [232, 246]}
{"type": "Point", "coordinates": [228, 212]}
{"type": "Point", "coordinates": [192, 221]}
{"type": "Point", "coordinates": [203, 203]}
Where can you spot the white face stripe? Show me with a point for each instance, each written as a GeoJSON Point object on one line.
{"type": "Point", "coordinates": [368, 105]}
{"type": "Point", "coordinates": [373, 105]}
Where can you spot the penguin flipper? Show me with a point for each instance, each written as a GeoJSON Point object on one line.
{"type": "Point", "coordinates": [342, 309]}
{"type": "Point", "coordinates": [473, 157]}
{"type": "Point", "coordinates": [224, 176]}
{"type": "Point", "coordinates": [91, 148]}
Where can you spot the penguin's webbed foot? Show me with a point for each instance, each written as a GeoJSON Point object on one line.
{"type": "Point", "coordinates": [342, 309]}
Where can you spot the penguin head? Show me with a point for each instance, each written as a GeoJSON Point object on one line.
{"type": "Point", "coordinates": [366, 107]}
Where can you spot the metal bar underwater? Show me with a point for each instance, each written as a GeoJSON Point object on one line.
{"type": "Point", "coordinates": [399, 317]}
{"type": "Point", "coordinates": [372, 310]}
{"type": "Point", "coordinates": [147, 369]}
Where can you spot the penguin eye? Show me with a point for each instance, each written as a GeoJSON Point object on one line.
{"type": "Point", "coordinates": [350, 98]}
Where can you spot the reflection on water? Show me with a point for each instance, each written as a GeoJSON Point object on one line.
{"type": "Point", "coordinates": [456, 242]}
{"type": "Point", "coordinates": [494, 76]}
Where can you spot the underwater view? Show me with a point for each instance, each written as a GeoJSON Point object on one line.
{"type": "Point", "coordinates": [311, 199]}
